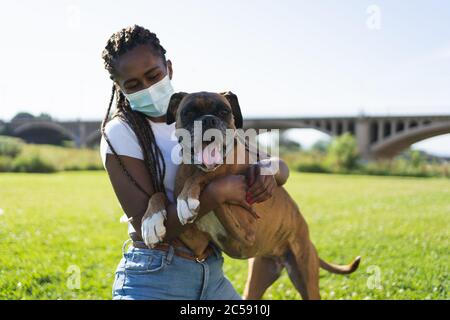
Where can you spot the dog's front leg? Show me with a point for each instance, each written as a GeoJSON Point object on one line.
{"type": "Point", "coordinates": [188, 200]}
{"type": "Point", "coordinates": [153, 229]}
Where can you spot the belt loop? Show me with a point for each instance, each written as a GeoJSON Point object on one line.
{"type": "Point", "coordinates": [204, 290]}
{"type": "Point", "coordinates": [125, 245]}
{"type": "Point", "coordinates": [216, 250]}
{"type": "Point", "coordinates": [170, 254]}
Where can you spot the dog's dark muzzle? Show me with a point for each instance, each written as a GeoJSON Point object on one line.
{"type": "Point", "coordinates": [210, 122]}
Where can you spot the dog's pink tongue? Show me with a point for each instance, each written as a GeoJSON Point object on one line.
{"type": "Point", "coordinates": [210, 155]}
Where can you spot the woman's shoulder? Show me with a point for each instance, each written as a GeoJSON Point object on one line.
{"type": "Point", "coordinates": [118, 129]}
{"type": "Point", "coordinates": [117, 125]}
{"type": "Point", "coordinates": [122, 138]}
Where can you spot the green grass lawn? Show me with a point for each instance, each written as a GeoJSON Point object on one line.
{"type": "Point", "coordinates": [53, 224]}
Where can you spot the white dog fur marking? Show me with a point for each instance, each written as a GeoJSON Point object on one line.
{"type": "Point", "coordinates": [210, 224]}
{"type": "Point", "coordinates": [124, 219]}
{"type": "Point", "coordinates": [186, 210]}
{"type": "Point", "coordinates": [153, 229]}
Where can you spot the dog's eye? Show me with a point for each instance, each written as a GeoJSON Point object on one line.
{"type": "Point", "coordinates": [189, 114]}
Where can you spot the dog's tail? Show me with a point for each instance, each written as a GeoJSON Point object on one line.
{"type": "Point", "coordinates": [335, 268]}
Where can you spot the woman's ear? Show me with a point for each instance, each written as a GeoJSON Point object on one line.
{"type": "Point", "coordinates": [174, 102]}
{"type": "Point", "coordinates": [235, 108]}
{"type": "Point", "coordinates": [170, 68]}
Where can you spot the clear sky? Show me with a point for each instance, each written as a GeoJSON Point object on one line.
{"type": "Point", "coordinates": [282, 58]}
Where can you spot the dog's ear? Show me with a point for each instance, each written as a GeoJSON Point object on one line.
{"type": "Point", "coordinates": [235, 108]}
{"type": "Point", "coordinates": [174, 102]}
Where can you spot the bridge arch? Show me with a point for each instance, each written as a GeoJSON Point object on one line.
{"type": "Point", "coordinates": [43, 132]}
{"type": "Point", "coordinates": [328, 126]}
{"type": "Point", "coordinates": [307, 137]}
{"type": "Point", "coordinates": [93, 138]}
{"type": "Point", "coordinates": [391, 146]}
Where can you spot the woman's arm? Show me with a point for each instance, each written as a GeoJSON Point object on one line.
{"type": "Point", "coordinates": [282, 174]}
{"type": "Point", "coordinates": [229, 189]}
{"type": "Point", "coordinates": [134, 202]}
{"type": "Point", "coordinates": [208, 202]}
{"type": "Point", "coordinates": [264, 176]}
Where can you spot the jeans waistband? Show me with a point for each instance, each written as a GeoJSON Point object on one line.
{"type": "Point", "coordinates": [216, 250]}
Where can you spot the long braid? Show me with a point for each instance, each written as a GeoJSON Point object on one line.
{"type": "Point", "coordinates": [119, 43]}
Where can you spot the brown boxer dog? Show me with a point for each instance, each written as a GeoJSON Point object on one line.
{"type": "Point", "coordinates": [273, 236]}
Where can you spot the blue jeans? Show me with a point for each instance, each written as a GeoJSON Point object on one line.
{"type": "Point", "coordinates": [149, 274]}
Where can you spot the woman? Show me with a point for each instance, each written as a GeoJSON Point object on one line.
{"type": "Point", "coordinates": [136, 150]}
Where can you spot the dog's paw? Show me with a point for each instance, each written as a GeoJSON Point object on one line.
{"type": "Point", "coordinates": [187, 209]}
{"type": "Point", "coordinates": [153, 229]}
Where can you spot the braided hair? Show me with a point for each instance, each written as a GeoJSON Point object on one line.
{"type": "Point", "coordinates": [119, 43]}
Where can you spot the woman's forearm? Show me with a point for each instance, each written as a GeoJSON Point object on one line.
{"type": "Point", "coordinates": [283, 172]}
{"type": "Point", "coordinates": [210, 199]}
{"type": "Point", "coordinates": [208, 202]}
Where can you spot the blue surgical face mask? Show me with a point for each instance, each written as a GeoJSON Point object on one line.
{"type": "Point", "coordinates": [154, 100]}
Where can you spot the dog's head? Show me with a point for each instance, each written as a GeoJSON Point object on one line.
{"type": "Point", "coordinates": [217, 111]}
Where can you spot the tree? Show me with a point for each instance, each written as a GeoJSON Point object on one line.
{"type": "Point", "coordinates": [416, 158]}
{"type": "Point", "coordinates": [22, 116]}
{"type": "Point", "coordinates": [44, 116]}
{"type": "Point", "coordinates": [343, 152]}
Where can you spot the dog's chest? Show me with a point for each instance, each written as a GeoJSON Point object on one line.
{"type": "Point", "coordinates": [211, 225]}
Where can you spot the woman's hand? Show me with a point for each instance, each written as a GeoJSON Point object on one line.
{"type": "Point", "coordinates": [231, 189]}
{"type": "Point", "coordinates": [261, 186]}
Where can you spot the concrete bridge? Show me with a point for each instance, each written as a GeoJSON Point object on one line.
{"type": "Point", "coordinates": [378, 137]}
{"type": "Point", "coordinates": [82, 133]}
